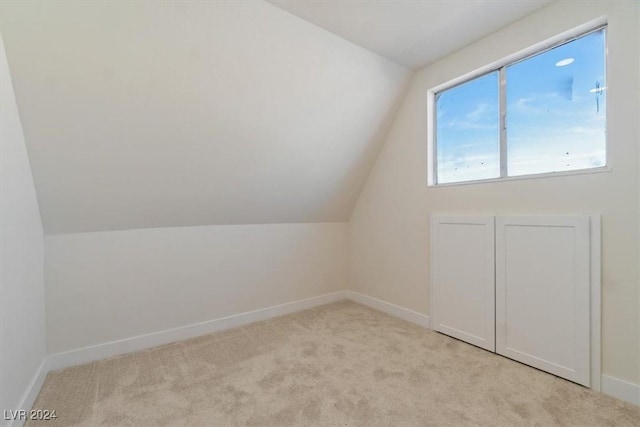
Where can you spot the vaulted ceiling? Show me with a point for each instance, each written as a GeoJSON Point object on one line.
{"type": "Point", "coordinates": [412, 33]}
{"type": "Point", "coordinates": [152, 114]}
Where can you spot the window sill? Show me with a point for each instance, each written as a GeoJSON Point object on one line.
{"type": "Point", "coordinates": [604, 169]}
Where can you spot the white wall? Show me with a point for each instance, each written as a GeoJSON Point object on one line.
{"type": "Point", "coordinates": [22, 327]}
{"type": "Point", "coordinates": [638, 24]}
{"type": "Point", "coordinates": [107, 286]}
{"type": "Point", "coordinates": [389, 232]}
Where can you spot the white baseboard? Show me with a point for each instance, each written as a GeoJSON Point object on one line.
{"type": "Point", "coordinates": [128, 345]}
{"type": "Point", "coordinates": [620, 389]}
{"type": "Point", "coordinates": [392, 309]}
{"type": "Point", "coordinates": [31, 393]}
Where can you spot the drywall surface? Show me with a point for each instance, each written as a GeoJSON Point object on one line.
{"type": "Point", "coordinates": [638, 136]}
{"type": "Point", "coordinates": [389, 227]}
{"type": "Point", "coordinates": [165, 114]}
{"type": "Point", "coordinates": [107, 286]}
{"type": "Point", "coordinates": [22, 324]}
{"type": "Point", "coordinates": [411, 33]}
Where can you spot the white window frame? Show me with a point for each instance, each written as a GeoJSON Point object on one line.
{"type": "Point", "coordinates": [500, 67]}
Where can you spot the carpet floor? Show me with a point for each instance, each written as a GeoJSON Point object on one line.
{"type": "Point", "coordinates": [341, 364]}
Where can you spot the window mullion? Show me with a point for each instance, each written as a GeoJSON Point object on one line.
{"type": "Point", "coordinates": [435, 139]}
{"type": "Point", "coordinates": [503, 122]}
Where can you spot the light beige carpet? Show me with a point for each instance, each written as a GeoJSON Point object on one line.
{"type": "Point", "coordinates": [341, 364]}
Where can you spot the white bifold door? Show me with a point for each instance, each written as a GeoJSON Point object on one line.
{"type": "Point", "coordinates": [543, 293]}
{"type": "Point", "coordinates": [516, 285]}
{"type": "Point", "coordinates": [463, 290]}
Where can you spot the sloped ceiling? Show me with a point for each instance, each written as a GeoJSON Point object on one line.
{"type": "Point", "coordinates": [150, 114]}
{"type": "Point", "coordinates": [413, 33]}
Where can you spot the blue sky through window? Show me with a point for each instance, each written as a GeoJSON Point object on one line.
{"type": "Point", "coordinates": [468, 132]}
{"type": "Point", "coordinates": [556, 112]}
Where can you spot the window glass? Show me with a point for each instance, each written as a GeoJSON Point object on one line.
{"type": "Point", "coordinates": [556, 109]}
{"type": "Point", "coordinates": [554, 105]}
{"type": "Point", "coordinates": [467, 131]}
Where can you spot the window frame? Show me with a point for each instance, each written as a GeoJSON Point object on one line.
{"type": "Point", "coordinates": [500, 67]}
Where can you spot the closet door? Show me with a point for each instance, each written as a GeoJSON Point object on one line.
{"type": "Point", "coordinates": [542, 293]}
{"type": "Point", "coordinates": [462, 278]}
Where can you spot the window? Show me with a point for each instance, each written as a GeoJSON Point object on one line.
{"type": "Point", "coordinates": [542, 114]}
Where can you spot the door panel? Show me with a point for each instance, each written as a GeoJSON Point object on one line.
{"type": "Point", "coordinates": [463, 279]}
{"type": "Point", "coordinates": [543, 293]}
